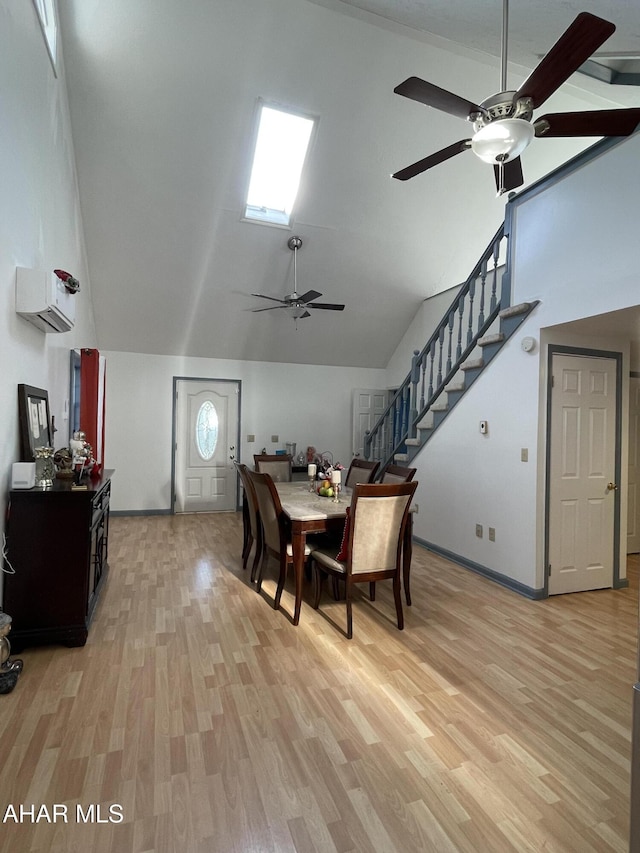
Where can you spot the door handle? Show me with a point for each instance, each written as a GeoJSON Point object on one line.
{"type": "Point", "coordinates": [611, 487]}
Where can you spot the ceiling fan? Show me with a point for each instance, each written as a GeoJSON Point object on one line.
{"type": "Point", "coordinates": [297, 304]}
{"type": "Point", "coordinates": [502, 122]}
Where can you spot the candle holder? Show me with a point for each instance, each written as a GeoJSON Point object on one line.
{"type": "Point", "coordinates": [312, 470]}
{"type": "Point", "coordinates": [336, 492]}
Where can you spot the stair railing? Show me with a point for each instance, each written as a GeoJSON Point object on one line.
{"type": "Point", "coordinates": [468, 318]}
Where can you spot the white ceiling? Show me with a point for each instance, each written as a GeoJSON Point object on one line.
{"type": "Point", "coordinates": [162, 98]}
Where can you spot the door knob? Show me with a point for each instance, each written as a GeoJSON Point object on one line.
{"type": "Point", "coordinates": [611, 487]}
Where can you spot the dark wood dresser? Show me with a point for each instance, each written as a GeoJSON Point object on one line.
{"type": "Point", "coordinates": [57, 542]}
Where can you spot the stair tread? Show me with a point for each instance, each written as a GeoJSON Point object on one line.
{"type": "Point", "coordinates": [514, 310]}
{"type": "Point", "coordinates": [496, 338]}
{"type": "Point", "coordinates": [412, 442]}
{"type": "Point", "coordinates": [473, 363]}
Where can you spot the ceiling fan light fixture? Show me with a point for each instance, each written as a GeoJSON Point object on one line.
{"type": "Point", "coordinates": [502, 140]}
{"type": "Point", "coordinates": [297, 311]}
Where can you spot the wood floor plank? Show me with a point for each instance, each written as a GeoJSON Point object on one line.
{"type": "Point", "coordinates": [491, 723]}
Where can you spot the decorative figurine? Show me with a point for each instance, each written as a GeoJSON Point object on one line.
{"type": "Point", "coordinates": [82, 452]}
{"type": "Point", "coordinates": [63, 460]}
{"type": "Point", "coordinates": [9, 669]}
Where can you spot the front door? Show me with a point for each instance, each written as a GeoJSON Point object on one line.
{"type": "Point", "coordinates": [582, 470]}
{"type": "Point", "coordinates": [207, 431]}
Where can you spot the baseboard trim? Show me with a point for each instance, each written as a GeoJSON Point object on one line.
{"type": "Point", "coordinates": [123, 512]}
{"type": "Point", "coordinates": [490, 574]}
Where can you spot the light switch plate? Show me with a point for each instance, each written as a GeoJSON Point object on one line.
{"type": "Point", "coordinates": [275, 439]}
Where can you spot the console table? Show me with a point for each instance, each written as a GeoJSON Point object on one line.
{"type": "Point", "coordinates": [57, 544]}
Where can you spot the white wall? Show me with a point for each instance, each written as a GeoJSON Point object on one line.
{"type": "Point", "coordinates": [41, 223]}
{"type": "Point", "coordinates": [307, 404]}
{"type": "Point", "coordinates": [575, 250]}
{"type": "Point", "coordinates": [420, 330]}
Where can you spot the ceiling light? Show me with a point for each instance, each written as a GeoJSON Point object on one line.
{"type": "Point", "coordinates": [502, 140]}
{"type": "Point", "coordinates": [297, 311]}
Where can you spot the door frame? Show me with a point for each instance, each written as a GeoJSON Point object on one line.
{"type": "Point", "coordinates": [174, 432]}
{"type": "Point", "coordinates": [558, 349]}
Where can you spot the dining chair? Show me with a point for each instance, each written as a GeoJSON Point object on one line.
{"type": "Point", "coordinates": [397, 474]}
{"type": "Point", "coordinates": [278, 466]}
{"type": "Point", "coordinates": [251, 521]}
{"type": "Point", "coordinates": [361, 471]}
{"type": "Point", "coordinates": [372, 545]}
{"type": "Point", "coordinates": [276, 532]}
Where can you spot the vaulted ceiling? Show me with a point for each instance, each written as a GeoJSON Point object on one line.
{"type": "Point", "coordinates": [162, 97]}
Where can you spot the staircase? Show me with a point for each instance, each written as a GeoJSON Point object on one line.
{"type": "Point", "coordinates": [469, 336]}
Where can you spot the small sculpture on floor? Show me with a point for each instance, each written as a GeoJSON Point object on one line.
{"type": "Point", "coordinates": [9, 669]}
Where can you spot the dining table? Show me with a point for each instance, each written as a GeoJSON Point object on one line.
{"type": "Point", "coordinates": [311, 513]}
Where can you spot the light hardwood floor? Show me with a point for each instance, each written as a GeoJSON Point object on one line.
{"type": "Point", "coordinates": [491, 723]}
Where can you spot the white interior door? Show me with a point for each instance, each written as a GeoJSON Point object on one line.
{"type": "Point", "coordinates": [633, 490]}
{"type": "Point", "coordinates": [207, 426]}
{"type": "Point", "coordinates": [582, 446]}
{"type": "Point", "coordinates": [368, 405]}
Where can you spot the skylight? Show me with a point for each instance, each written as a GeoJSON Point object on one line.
{"type": "Point", "coordinates": [282, 143]}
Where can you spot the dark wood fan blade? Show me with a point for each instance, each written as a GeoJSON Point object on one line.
{"type": "Point", "coordinates": [575, 46]}
{"type": "Point", "coordinates": [433, 96]}
{"type": "Point", "coordinates": [432, 160]}
{"type": "Point", "coordinates": [309, 296]}
{"type": "Point", "coordinates": [270, 308]}
{"type": "Point", "coordinates": [302, 316]}
{"type": "Point", "coordinates": [512, 176]}
{"type": "Point", "coordinates": [326, 306]}
{"type": "Point", "coordinates": [589, 123]}
{"type": "Point", "coordinates": [272, 298]}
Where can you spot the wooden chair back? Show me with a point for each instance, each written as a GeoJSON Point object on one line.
{"type": "Point", "coordinates": [361, 471]}
{"type": "Point", "coordinates": [378, 517]}
{"type": "Point", "coordinates": [270, 510]}
{"type": "Point", "coordinates": [397, 474]}
{"type": "Point", "coordinates": [252, 500]}
{"type": "Point", "coordinates": [278, 466]}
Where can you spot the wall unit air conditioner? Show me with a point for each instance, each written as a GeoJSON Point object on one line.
{"type": "Point", "coordinates": [42, 298]}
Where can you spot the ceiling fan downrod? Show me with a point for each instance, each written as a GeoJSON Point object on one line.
{"type": "Point", "coordinates": [505, 39]}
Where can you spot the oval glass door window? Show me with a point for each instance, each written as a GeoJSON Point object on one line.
{"type": "Point", "coordinates": [207, 430]}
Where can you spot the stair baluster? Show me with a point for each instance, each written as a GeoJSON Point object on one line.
{"type": "Point", "coordinates": [472, 293]}
{"type": "Point", "coordinates": [483, 279]}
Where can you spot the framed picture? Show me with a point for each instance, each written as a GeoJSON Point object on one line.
{"type": "Point", "coordinates": [35, 421]}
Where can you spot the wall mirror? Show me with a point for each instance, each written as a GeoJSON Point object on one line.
{"type": "Point", "coordinates": [35, 421]}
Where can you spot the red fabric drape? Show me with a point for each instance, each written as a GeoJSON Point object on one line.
{"type": "Point", "coordinates": [92, 401]}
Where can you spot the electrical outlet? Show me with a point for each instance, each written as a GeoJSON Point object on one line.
{"type": "Point", "coordinates": [492, 534]}
{"type": "Point", "coordinates": [479, 531]}
{"type": "Point", "coordinates": [524, 454]}
{"type": "Point", "coordinates": [275, 439]}
{"type": "Point", "coordinates": [416, 508]}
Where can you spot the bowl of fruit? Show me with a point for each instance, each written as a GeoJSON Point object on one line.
{"type": "Point", "coordinates": [325, 489]}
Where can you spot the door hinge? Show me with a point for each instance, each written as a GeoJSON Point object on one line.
{"type": "Point", "coordinates": [549, 569]}
{"type": "Point", "coordinates": [553, 380]}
